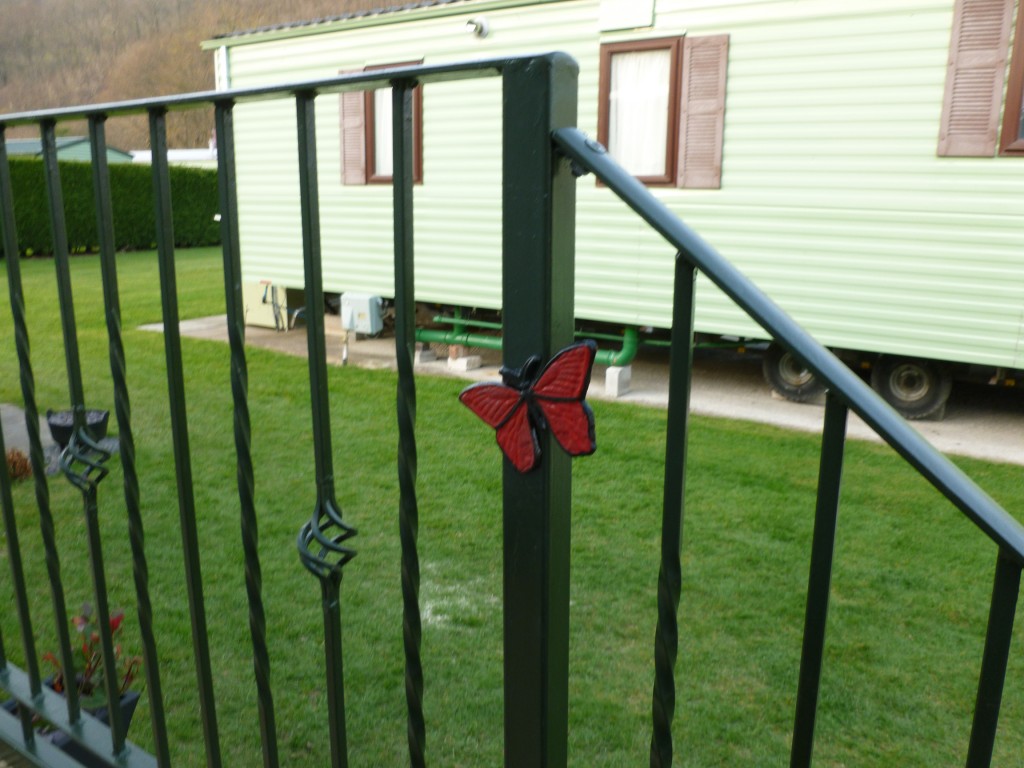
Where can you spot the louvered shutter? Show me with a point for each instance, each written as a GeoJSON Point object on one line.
{"type": "Point", "coordinates": [975, 77]}
{"type": "Point", "coordinates": [702, 118]}
{"type": "Point", "coordinates": [353, 137]}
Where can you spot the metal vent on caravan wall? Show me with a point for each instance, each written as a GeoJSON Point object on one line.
{"type": "Point", "coordinates": [626, 14]}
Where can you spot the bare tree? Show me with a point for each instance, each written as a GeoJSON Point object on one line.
{"type": "Point", "coordinates": [64, 52]}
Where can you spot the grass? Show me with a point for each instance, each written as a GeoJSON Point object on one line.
{"type": "Point", "coordinates": [910, 588]}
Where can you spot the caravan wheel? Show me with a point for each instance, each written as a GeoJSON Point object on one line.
{"type": "Point", "coordinates": [788, 376]}
{"type": "Point", "coordinates": [914, 387]}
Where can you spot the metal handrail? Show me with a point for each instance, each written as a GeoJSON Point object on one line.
{"type": "Point", "coordinates": [949, 479]}
{"type": "Point", "coordinates": [353, 81]}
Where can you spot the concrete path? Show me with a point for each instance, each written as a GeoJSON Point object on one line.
{"type": "Point", "coordinates": [981, 421]}
{"type": "Point", "coordinates": [15, 431]}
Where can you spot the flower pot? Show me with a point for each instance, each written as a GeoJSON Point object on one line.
{"type": "Point", "coordinates": [62, 425]}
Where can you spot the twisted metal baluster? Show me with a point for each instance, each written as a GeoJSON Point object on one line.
{"type": "Point", "coordinates": [83, 464]}
{"type": "Point", "coordinates": [179, 433]}
{"type": "Point", "coordinates": [82, 449]}
{"type": "Point", "coordinates": [666, 641]}
{"type": "Point", "coordinates": [321, 540]}
{"type": "Point", "coordinates": [13, 550]}
{"type": "Point", "coordinates": [8, 231]}
{"type": "Point", "coordinates": [126, 440]}
{"type": "Point", "coordinates": [60, 251]}
{"type": "Point", "coordinates": [405, 347]}
{"type": "Point", "coordinates": [243, 429]}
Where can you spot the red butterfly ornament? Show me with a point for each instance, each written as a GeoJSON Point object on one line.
{"type": "Point", "coordinates": [528, 402]}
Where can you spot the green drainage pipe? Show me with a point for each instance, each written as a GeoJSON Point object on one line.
{"type": "Point", "coordinates": [623, 356]}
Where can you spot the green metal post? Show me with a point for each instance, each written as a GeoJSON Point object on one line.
{"type": "Point", "coordinates": [537, 303]}
{"type": "Point", "coordinates": [826, 517]}
{"type": "Point", "coordinates": [998, 638]}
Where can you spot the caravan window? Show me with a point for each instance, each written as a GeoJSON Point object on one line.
{"type": "Point", "coordinates": [379, 151]}
{"type": "Point", "coordinates": [640, 106]}
{"type": "Point", "coordinates": [662, 108]}
{"type": "Point", "coordinates": [366, 147]}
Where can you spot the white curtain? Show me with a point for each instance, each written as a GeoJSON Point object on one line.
{"type": "Point", "coordinates": [638, 110]}
{"type": "Point", "coordinates": [383, 162]}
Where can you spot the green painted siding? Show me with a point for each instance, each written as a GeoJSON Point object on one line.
{"type": "Point", "coordinates": [833, 199]}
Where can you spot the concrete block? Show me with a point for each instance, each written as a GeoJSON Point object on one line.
{"type": "Point", "coordinates": [617, 380]}
{"type": "Point", "coordinates": [467, 363]}
{"type": "Point", "coordinates": [424, 354]}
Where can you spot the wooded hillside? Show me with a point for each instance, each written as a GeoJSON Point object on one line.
{"type": "Point", "coordinates": [56, 53]}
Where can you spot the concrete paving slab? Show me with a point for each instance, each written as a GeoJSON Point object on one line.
{"type": "Point", "coordinates": [15, 430]}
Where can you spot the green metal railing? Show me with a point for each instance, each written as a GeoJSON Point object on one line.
{"type": "Point", "coordinates": [543, 154]}
{"type": "Point", "coordinates": [846, 393]}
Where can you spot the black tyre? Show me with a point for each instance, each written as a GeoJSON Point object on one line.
{"type": "Point", "coordinates": [788, 376]}
{"type": "Point", "coordinates": [914, 387]}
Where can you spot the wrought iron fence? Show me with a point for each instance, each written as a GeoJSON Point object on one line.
{"type": "Point", "coordinates": [543, 154]}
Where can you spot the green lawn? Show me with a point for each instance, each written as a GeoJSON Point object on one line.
{"type": "Point", "coordinates": [910, 589]}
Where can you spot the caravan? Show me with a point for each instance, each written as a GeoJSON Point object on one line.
{"type": "Point", "coordinates": [857, 160]}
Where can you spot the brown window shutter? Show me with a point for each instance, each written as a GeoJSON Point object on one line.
{"type": "Point", "coordinates": [353, 137]}
{"type": "Point", "coordinates": [702, 120]}
{"type": "Point", "coordinates": [975, 77]}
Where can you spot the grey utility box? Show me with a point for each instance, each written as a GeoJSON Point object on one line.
{"type": "Point", "coordinates": [362, 313]}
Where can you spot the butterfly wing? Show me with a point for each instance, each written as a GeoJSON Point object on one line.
{"type": "Point", "coordinates": [518, 440]}
{"type": "Point", "coordinates": [567, 374]}
{"type": "Point", "coordinates": [493, 403]}
{"type": "Point", "coordinates": [572, 424]}
{"type": "Point", "coordinates": [502, 408]}
{"type": "Point", "coordinates": [559, 393]}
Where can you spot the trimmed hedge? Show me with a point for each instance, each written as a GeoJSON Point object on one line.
{"type": "Point", "coordinates": [193, 192]}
